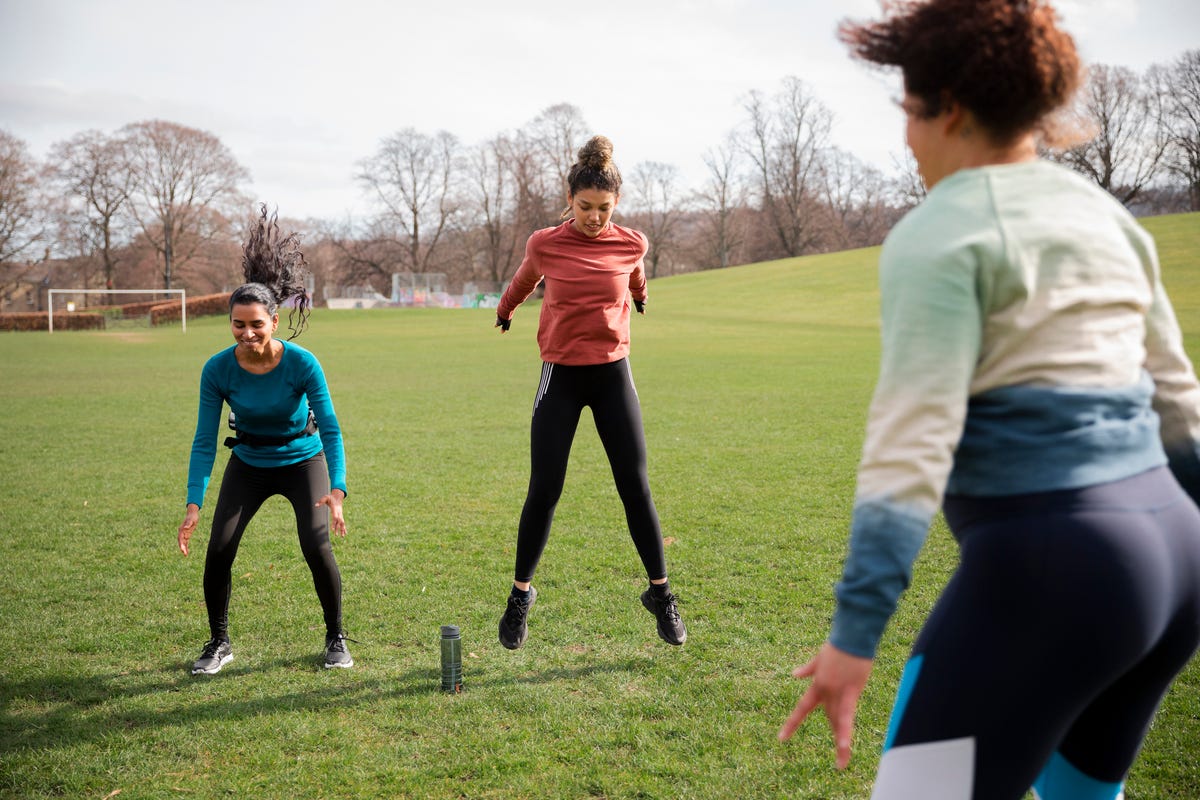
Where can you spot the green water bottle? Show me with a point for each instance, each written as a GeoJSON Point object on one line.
{"type": "Point", "coordinates": [451, 659]}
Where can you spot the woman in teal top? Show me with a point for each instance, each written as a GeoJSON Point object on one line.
{"type": "Point", "coordinates": [1033, 384]}
{"type": "Point", "coordinates": [288, 441]}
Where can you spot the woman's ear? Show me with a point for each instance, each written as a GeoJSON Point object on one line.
{"type": "Point", "coordinates": [956, 120]}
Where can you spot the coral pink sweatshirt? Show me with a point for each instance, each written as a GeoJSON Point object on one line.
{"type": "Point", "coordinates": [585, 310]}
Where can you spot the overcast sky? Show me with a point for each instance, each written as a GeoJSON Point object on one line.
{"type": "Point", "coordinates": [301, 90]}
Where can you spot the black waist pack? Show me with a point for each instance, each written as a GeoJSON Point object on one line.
{"type": "Point", "coordinates": [257, 440]}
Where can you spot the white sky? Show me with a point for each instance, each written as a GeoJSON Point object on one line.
{"type": "Point", "coordinates": [302, 90]}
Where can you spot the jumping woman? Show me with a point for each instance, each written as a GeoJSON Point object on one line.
{"type": "Point", "coordinates": [592, 268]}
{"type": "Point", "coordinates": [288, 441]}
{"type": "Point", "coordinates": [1034, 385]}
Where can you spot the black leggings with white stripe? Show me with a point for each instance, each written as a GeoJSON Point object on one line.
{"type": "Point", "coordinates": [562, 394]}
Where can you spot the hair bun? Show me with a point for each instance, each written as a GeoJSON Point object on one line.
{"type": "Point", "coordinates": [597, 153]}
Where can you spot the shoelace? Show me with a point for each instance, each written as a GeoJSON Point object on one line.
{"type": "Point", "coordinates": [338, 643]}
{"type": "Point", "coordinates": [211, 648]}
{"type": "Point", "coordinates": [669, 609]}
{"type": "Point", "coordinates": [516, 611]}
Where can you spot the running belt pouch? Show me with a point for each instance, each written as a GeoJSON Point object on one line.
{"type": "Point", "coordinates": [255, 440]}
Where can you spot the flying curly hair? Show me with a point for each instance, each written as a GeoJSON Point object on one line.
{"type": "Point", "coordinates": [1005, 61]}
{"type": "Point", "coordinates": [275, 270]}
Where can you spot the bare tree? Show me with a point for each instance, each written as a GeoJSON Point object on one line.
{"type": "Point", "coordinates": [855, 197]}
{"type": "Point", "coordinates": [490, 188]}
{"type": "Point", "coordinates": [20, 228]}
{"type": "Point", "coordinates": [1178, 87]}
{"type": "Point", "coordinates": [907, 187]}
{"type": "Point", "coordinates": [362, 256]}
{"type": "Point", "coordinates": [414, 177]}
{"type": "Point", "coordinates": [655, 211]}
{"type": "Point", "coordinates": [1126, 151]}
{"type": "Point", "coordinates": [185, 189]}
{"type": "Point", "coordinates": [538, 203]}
{"type": "Point", "coordinates": [91, 168]}
{"type": "Point", "coordinates": [718, 202]}
{"type": "Point", "coordinates": [558, 132]}
{"type": "Point", "coordinates": [784, 142]}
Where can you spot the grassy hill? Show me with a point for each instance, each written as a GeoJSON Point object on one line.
{"type": "Point", "coordinates": [754, 383]}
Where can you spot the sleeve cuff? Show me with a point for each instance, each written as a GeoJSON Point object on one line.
{"type": "Point", "coordinates": [884, 542]}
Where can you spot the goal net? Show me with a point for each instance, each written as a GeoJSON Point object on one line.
{"type": "Point", "coordinates": [124, 310]}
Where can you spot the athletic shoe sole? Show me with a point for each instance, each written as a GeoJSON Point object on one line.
{"type": "Point", "coordinates": [213, 670]}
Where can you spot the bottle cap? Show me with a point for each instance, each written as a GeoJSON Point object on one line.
{"type": "Point", "coordinates": [450, 632]}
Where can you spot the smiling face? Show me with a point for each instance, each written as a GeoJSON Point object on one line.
{"type": "Point", "coordinates": [592, 209]}
{"type": "Point", "coordinates": [252, 327]}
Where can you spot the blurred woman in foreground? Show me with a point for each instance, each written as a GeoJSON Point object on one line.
{"type": "Point", "coordinates": [1034, 385]}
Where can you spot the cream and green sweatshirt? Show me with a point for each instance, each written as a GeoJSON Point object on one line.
{"type": "Point", "coordinates": [1028, 345]}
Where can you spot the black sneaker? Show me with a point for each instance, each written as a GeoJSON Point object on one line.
{"type": "Point", "coordinates": [666, 610]}
{"type": "Point", "coordinates": [513, 630]}
{"type": "Point", "coordinates": [337, 656]}
{"type": "Point", "coordinates": [216, 654]}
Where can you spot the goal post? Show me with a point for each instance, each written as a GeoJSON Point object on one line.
{"type": "Point", "coordinates": [181, 292]}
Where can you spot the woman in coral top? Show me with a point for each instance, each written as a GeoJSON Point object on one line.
{"type": "Point", "coordinates": [592, 269]}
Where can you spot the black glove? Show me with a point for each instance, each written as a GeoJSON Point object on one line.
{"type": "Point", "coordinates": [640, 305]}
{"type": "Point", "coordinates": [502, 323]}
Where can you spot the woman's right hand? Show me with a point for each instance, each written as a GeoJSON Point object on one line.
{"type": "Point", "coordinates": [838, 680]}
{"type": "Point", "coordinates": [188, 526]}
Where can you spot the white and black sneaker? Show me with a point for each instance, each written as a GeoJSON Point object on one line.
{"type": "Point", "coordinates": [216, 654]}
{"type": "Point", "coordinates": [337, 655]}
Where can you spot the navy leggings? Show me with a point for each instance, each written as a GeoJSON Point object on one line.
{"type": "Point", "coordinates": [244, 489]}
{"type": "Point", "coordinates": [562, 394]}
{"type": "Point", "coordinates": [1044, 660]}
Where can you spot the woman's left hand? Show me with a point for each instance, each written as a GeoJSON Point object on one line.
{"type": "Point", "coordinates": [336, 521]}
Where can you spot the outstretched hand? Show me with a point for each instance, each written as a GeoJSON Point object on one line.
{"type": "Point", "coordinates": [188, 526]}
{"type": "Point", "coordinates": [838, 680]}
{"type": "Point", "coordinates": [337, 522]}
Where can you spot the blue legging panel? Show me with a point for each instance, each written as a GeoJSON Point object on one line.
{"type": "Point", "coordinates": [1052, 645]}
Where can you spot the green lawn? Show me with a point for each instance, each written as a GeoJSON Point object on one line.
{"type": "Point", "coordinates": [754, 383]}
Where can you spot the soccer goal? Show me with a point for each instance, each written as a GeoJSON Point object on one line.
{"type": "Point", "coordinates": [181, 292]}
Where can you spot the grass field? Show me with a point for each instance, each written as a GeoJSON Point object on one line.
{"type": "Point", "coordinates": [754, 383]}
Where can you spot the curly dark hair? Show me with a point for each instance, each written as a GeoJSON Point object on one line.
{"type": "Point", "coordinates": [1005, 61]}
{"type": "Point", "coordinates": [594, 168]}
{"type": "Point", "coordinates": [274, 268]}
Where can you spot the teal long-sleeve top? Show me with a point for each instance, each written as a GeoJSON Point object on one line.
{"type": "Point", "coordinates": [272, 404]}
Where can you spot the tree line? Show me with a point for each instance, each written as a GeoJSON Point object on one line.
{"type": "Point", "coordinates": [159, 204]}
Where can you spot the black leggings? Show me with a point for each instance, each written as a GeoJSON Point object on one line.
{"type": "Point", "coordinates": [1048, 653]}
{"type": "Point", "coordinates": [243, 491]}
{"type": "Point", "coordinates": [563, 392]}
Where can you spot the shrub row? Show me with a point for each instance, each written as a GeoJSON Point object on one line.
{"type": "Point", "coordinates": [207, 305]}
{"type": "Point", "coordinates": [40, 321]}
{"type": "Point", "coordinates": [160, 313]}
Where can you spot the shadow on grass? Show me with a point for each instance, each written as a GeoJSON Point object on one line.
{"type": "Point", "coordinates": [62, 711]}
